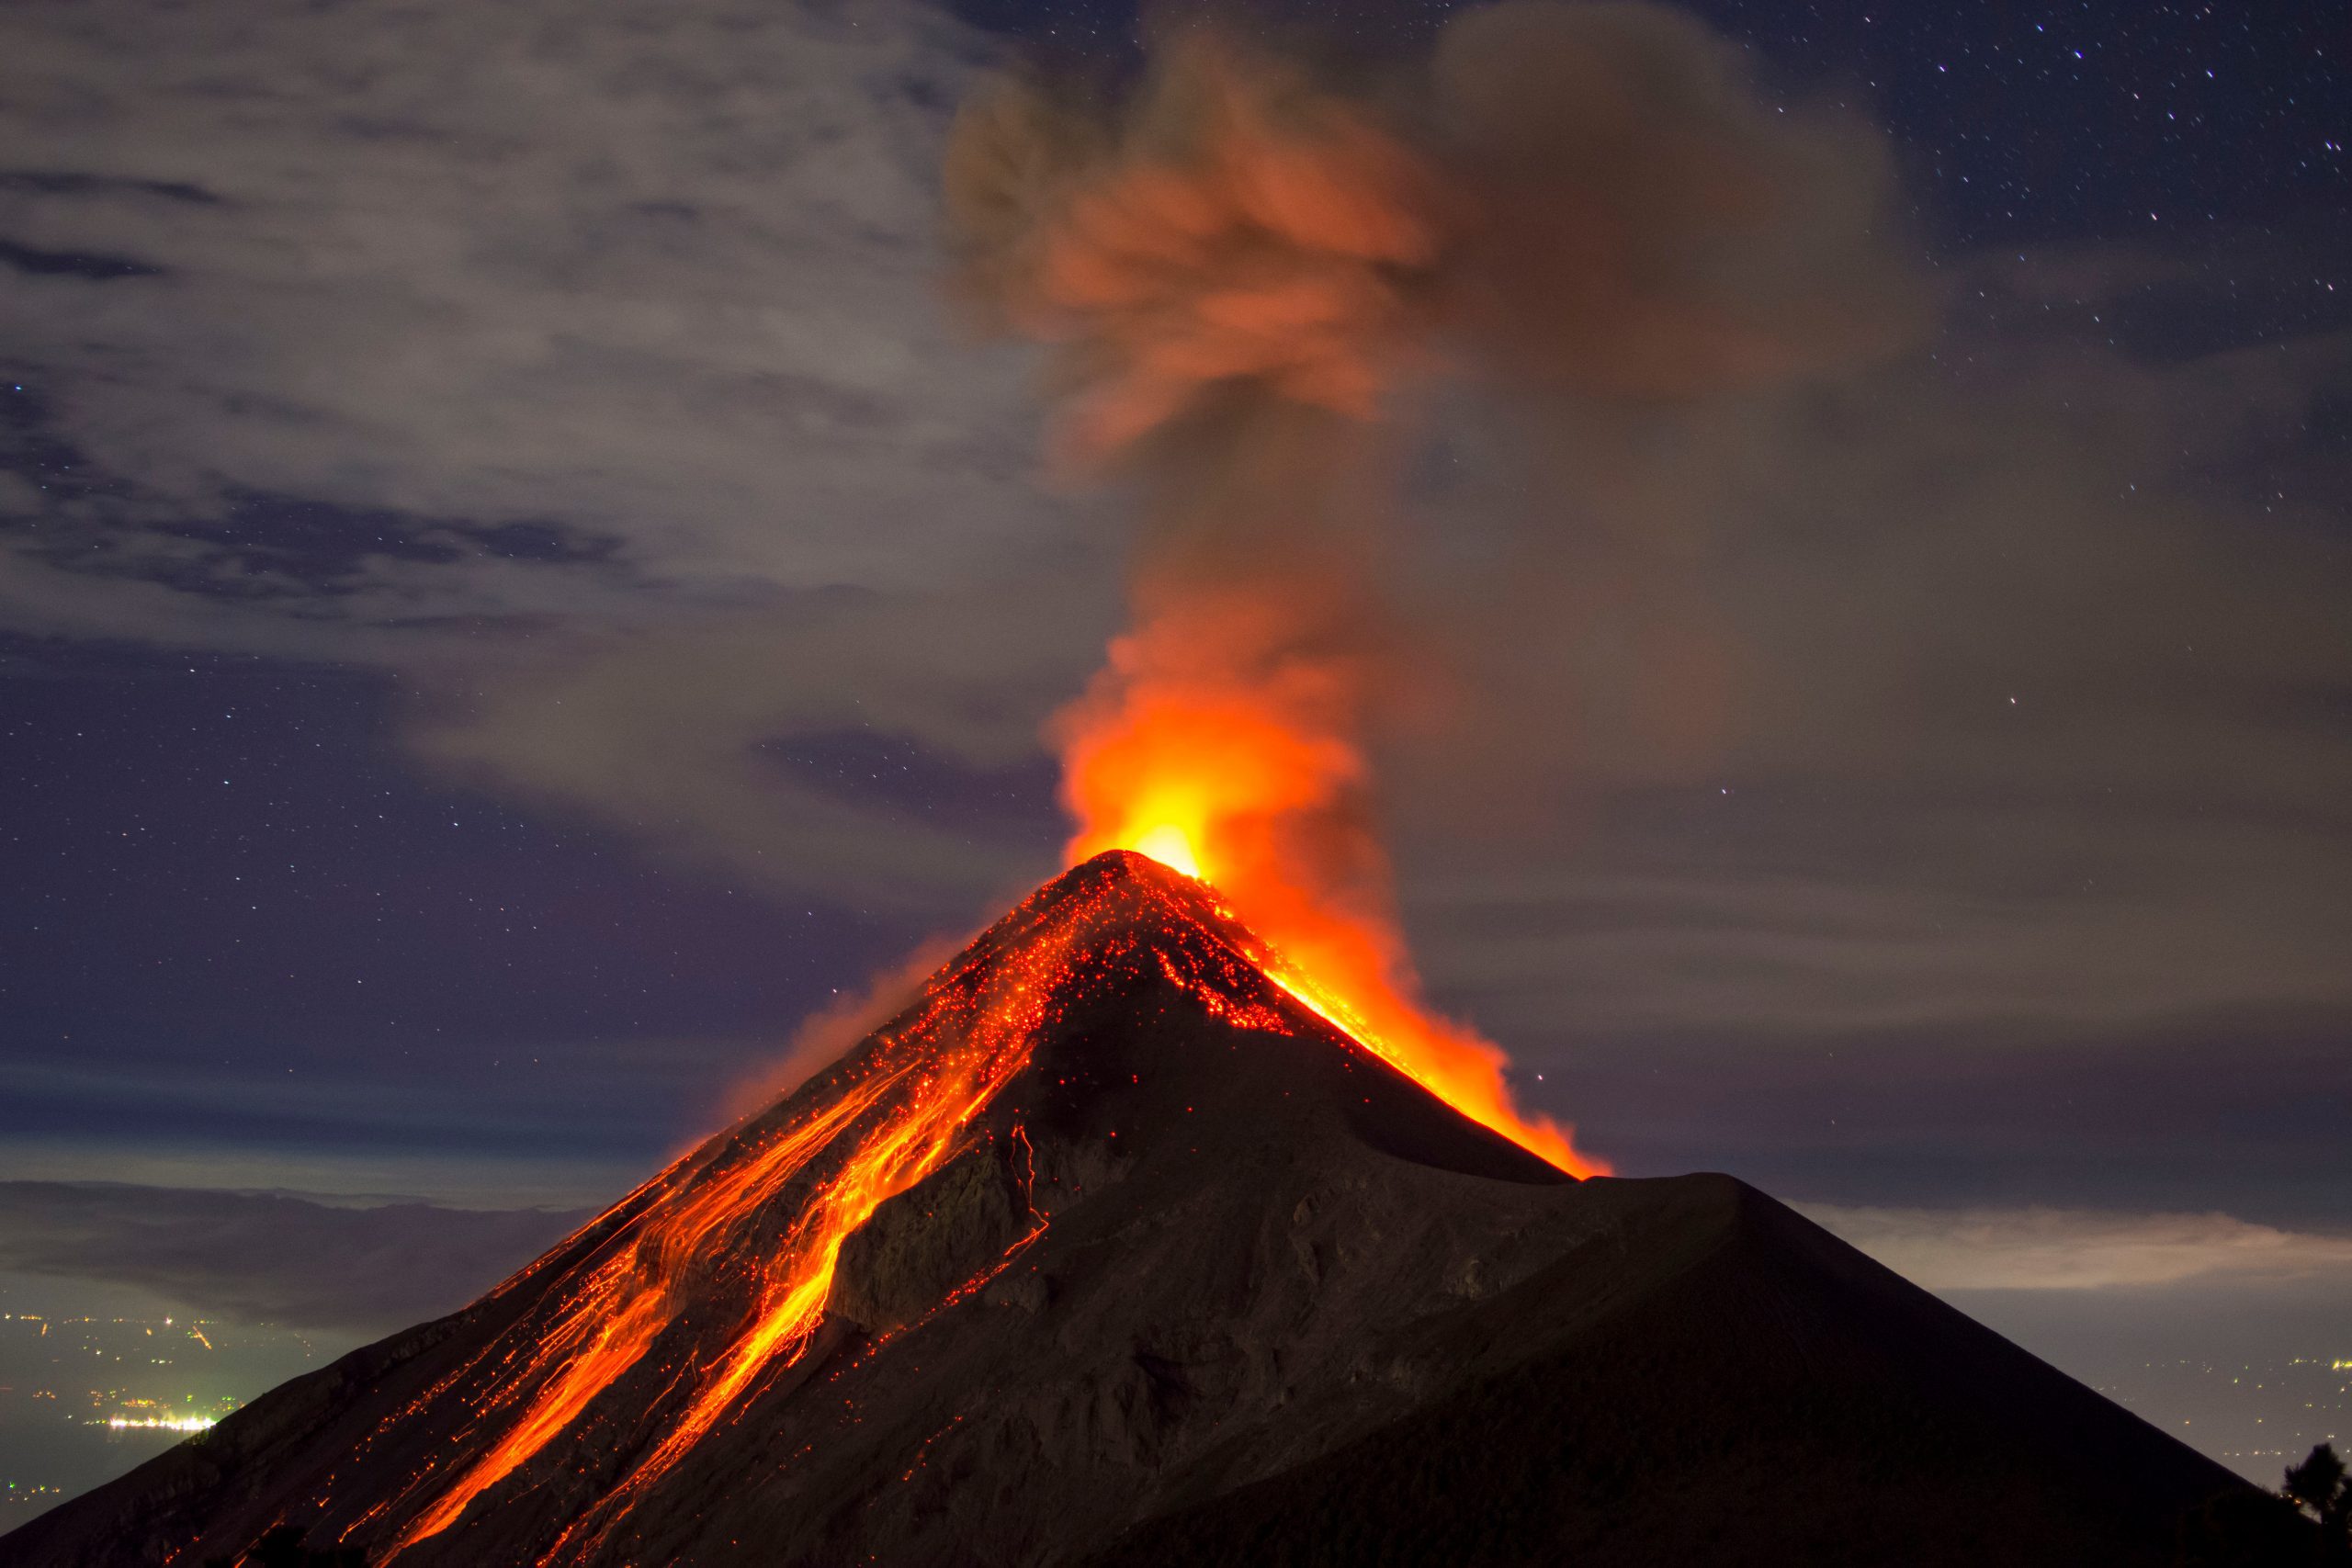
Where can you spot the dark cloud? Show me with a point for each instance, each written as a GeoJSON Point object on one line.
{"type": "Point", "coordinates": [82, 265]}
{"type": "Point", "coordinates": [1995, 694]}
{"type": "Point", "coordinates": [272, 1258]}
{"type": "Point", "coordinates": [688, 735]}
{"type": "Point", "coordinates": [2243, 1112]}
{"type": "Point", "coordinates": [622, 271]}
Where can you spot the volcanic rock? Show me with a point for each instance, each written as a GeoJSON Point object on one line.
{"type": "Point", "coordinates": [1193, 1279]}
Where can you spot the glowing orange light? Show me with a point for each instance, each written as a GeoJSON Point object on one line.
{"type": "Point", "coordinates": [1239, 767]}
{"type": "Point", "coordinates": [909, 1107]}
{"type": "Point", "coordinates": [1171, 846]}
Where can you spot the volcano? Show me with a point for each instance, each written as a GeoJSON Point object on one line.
{"type": "Point", "coordinates": [1109, 1250]}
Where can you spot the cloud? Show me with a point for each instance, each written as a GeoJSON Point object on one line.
{"type": "Point", "coordinates": [1994, 690]}
{"type": "Point", "coordinates": [587, 368]}
{"type": "Point", "coordinates": [682, 736]}
{"type": "Point", "coordinates": [660, 274]}
{"type": "Point", "coordinates": [2079, 1249]}
{"type": "Point", "coordinates": [270, 1257]}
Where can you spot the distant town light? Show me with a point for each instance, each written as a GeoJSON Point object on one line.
{"type": "Point", "coordinates": [161, 1422]}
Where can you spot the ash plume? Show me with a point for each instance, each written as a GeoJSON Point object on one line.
{"type": "Point", "coordinates": [1251, 276]}
{"type": "Point", "coordinates": [1593, 197]}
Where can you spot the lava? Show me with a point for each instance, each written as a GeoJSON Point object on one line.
{"type": "Point", "coordinates": [774, 1200]}
{"type": "Point", "coordinates": [608, 1326]}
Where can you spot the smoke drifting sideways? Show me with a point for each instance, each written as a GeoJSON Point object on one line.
{"type": "Point", "coordinates": [1248, 271]}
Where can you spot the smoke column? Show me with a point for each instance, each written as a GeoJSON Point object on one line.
{"type": "Point", "coordinates": [1244, 271]}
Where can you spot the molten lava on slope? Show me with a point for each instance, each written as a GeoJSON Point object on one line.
{"type": "Point", "coordinates": [897, 1112]}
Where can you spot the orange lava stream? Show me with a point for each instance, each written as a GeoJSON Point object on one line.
{"type": "Point", "coordinates": [918, 1137]}
{"type": "Point", "coordinates": [1238, 782]}
{"type": "Point", "coordinates": [627, 1299]}
{"type": "Point", "coordinates": [907, 1112]}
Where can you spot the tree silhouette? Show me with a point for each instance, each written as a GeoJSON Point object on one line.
{"type": "Point", "coordinates": [2320, 1486]}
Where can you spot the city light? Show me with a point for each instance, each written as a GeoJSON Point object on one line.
{"type": "Point", "coordinates": [160, 1423]}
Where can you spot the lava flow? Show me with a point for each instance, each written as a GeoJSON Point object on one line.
{"type": "Point", "coordinates": [747, 1232]}
{"type": "Point", "coordinates": [817, 1179]}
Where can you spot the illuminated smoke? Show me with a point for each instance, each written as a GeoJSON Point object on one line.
{"type": "Point", "coordinates": [1241, 275]}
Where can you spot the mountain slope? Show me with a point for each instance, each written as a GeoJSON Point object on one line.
{"type": "Point", "coordinates": [1109, 1247]}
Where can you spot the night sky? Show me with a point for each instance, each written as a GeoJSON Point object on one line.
{"type": "Point", "coordinates": [516, 591]}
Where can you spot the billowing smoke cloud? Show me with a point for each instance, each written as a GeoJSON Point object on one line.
{"type": "Point", "coordinates": [1244, 235]}
{"type": "Point", "coordinates": [1591, 197]}
{"type": "Point", "coordinates": [1637, 221]}
{"type": "Point", "coordinates": [1250, 274]}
